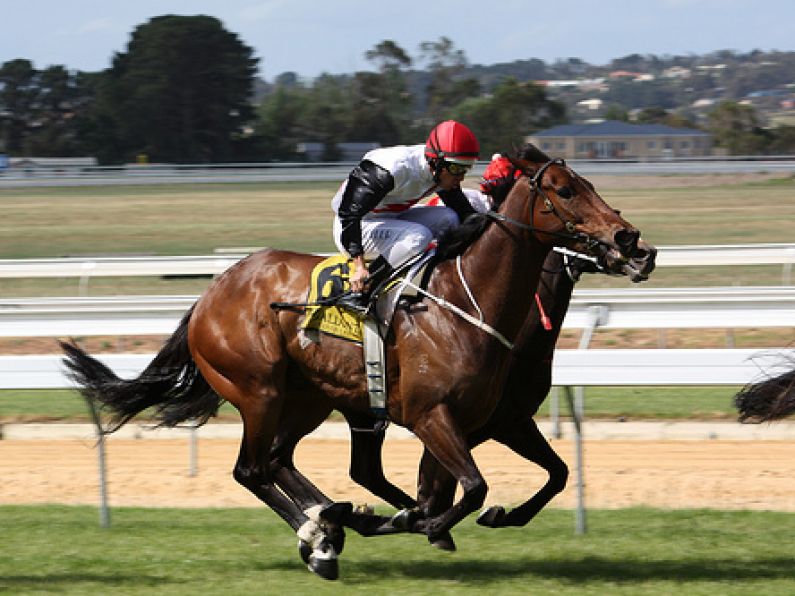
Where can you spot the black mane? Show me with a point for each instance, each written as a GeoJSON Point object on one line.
{"type": "Point", "coordinates": [532, 153]}
{"type": "Point", "coordinates": [527, 153]}
{"type": "Point", "coordinates": [455, 241]}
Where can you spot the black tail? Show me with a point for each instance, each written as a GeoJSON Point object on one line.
{"type": "Point", "coordinates": [171, 384]}
{"type": "Point", "coordinates": [769, 400]}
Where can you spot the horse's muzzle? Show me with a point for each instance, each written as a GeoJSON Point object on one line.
{"type": "Point", "coordinates": [633, 257]}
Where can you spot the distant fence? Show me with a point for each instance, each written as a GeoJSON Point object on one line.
{"type": "Point", "coordinates": [64, 174]}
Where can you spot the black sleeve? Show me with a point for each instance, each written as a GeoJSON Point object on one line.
{"type": "Point", "coordinates": [458, 202]}
{"type": "Point", "coordinates": [368, 183]}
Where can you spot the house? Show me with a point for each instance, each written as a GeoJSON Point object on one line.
{"type": "Point", "coordinates": [613, 139]}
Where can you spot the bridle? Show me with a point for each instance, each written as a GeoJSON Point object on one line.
{"type": "Point", "coordinates": [537, 190]}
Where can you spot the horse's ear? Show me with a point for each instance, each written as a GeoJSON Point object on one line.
{"type": "Point", "coordinates": [524, 166]}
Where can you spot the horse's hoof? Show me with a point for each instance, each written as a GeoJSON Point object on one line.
{"type": "Point", "coordinates": [325, 568]}
{"type": "Point", "coordinates": [443, 542]}
{"type": "Point", "coordinates": [304, 549]}
{"type": "Point", "coordinates": [405, 519]}
{"type": "Point", "coordinates": [336, 512]}
{"type": "Point", "coordinates": [323, 561]}
{"type": "Point", "coordinates": [493, 517]}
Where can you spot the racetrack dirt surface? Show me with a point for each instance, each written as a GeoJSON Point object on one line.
{"type": "Point", "coordinates": [720, 474]}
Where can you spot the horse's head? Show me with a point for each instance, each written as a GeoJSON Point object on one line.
{"type": "Point", "coordinates": [564, 209]}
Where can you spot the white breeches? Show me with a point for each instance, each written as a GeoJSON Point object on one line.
{"type": "Point", "coordinates": [398, 236]}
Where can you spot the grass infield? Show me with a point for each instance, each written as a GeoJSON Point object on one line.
{"type": "Point", "coordinates": [57, 549]}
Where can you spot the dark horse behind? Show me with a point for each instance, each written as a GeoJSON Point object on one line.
{"type": "Point", "coordinates": [445, 376]}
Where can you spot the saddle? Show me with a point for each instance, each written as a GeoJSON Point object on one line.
{"type": "Point", "coordinates": [329, 281]}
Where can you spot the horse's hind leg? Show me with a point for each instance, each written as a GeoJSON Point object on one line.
{"type": "Point", "coordinates": [259, 397]}
{"type": "Point", "coordinates": [524, 437]}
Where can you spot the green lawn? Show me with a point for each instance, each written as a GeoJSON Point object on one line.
{"type": "Point", "coordinates": [57, 549]}
{"type": "Point", "coordinates": [632, 403]}
{"type": "Point", "coordinates": [198, 218]}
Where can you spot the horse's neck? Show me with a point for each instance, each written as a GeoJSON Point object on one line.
{"type": "Point", "coordinates": [554, 295]}
{"type": "Point", "coordinates": [555, 288]}
{"type": "Point", "coordinates": [504, 267]}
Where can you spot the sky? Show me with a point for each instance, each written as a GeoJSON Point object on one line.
{"type": "Point", "coordinates": [311, 37]}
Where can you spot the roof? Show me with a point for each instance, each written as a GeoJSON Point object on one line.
{"type": "Point", "coordinates": [615, 128]}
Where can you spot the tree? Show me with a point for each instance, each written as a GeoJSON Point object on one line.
{"type": "Point", "coordinates": [180, 93]}
{"type": "Point", "coordinates": [445, 89]}
{"type": "Point", "coordinates": [514, 111]}
{"type": "Point", "coordinates": [662, 116]}
{"type": "Point", "coordinates": [18, 91]}
{"type": "Point", "coordinates": [736, 127]}
{"type": "Point", "coordinates": [62, 99]}
{"type": "Point", "coordinates": [279, 124]}
{"type": "Point", "coordinates": [783, 141]}
{"type": "Point", "coordinates": [615, 112]}
{"type": "Point", "coordinates": [382, 102]}
{"type": "Point", "coordinates": [327, 114]}
{"type": "Point", "coordinates": [389, 56]}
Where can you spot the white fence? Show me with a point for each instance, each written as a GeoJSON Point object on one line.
{"type": "Point", "coordinates": [86, 267]}
{"type": "Point", "coordinates": [601, 367]}
{"type": "Point", "coordinates": [626, 308]}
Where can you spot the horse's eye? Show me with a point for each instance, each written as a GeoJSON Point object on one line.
{"type": "Point", "coordinates": [564, 192]}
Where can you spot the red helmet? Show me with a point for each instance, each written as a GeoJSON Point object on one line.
{"type": "Point", "coordinates": [452, 141]}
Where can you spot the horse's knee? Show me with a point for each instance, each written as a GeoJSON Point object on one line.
{"type": "Point", "coordinates": [558, 476]}
{"type": "Point", "coordinates": [249, 477]}
{"type": "Point", "coordinates": [475, 494]}
{"type": "Point", "coordinates": [360, 474]}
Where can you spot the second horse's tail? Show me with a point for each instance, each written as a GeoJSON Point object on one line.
{"type": "Point", "coordinates": [171, 384]}
{"type": "Point", "coordinates": [768, 400]}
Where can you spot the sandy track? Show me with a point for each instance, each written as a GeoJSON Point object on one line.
{"type": "Point", "coordinates": [671, 474]}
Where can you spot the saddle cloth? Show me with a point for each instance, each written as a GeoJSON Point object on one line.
{"type": "Point", "coordinates": [330, 278]}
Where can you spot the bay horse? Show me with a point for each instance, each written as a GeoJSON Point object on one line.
{"type": "Point", "coordinates": [444, 375]}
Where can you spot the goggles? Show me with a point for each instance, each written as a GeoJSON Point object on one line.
{"type": "Point", "coordinates": [457, 169]}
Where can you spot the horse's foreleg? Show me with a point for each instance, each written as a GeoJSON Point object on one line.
{"type": "Point", "coordinates": [441, 435]}
{"type": "Point", "coordinates": [435, 494]}
{"type": "Point", "coordinates": [523, 437]}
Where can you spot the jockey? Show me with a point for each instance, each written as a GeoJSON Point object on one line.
{"type": "Point", "coordinates": [373, 219]}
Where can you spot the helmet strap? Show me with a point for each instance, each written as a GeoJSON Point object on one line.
{"type": "Point", "coordinates": [437, 165]}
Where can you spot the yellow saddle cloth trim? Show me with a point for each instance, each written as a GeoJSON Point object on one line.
{"type": "Point", "coordinates": [330, 278]}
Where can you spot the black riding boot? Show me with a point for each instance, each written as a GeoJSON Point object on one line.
{"type": "Point", "coordinates": [359, 302]}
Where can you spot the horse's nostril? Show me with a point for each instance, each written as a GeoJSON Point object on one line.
{"type": "Point", "coordinates": [627, 241]}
